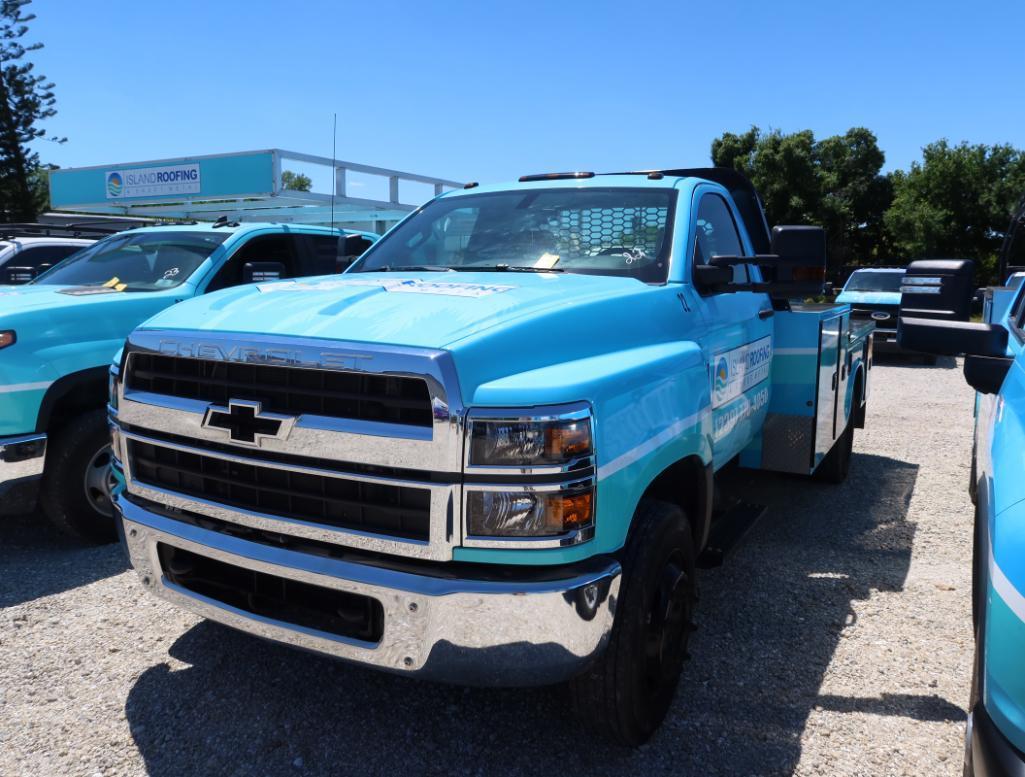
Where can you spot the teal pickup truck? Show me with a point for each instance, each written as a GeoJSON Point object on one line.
{"type": "Point", "coordinates": [58, 334]}
{"type": "Point", "coordinates": [488, 452]}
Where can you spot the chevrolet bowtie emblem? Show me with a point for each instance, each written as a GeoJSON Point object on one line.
{"type": "Point", "coordinates": [245, 422]}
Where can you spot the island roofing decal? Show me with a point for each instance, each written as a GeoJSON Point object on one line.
{"type": "Point", "coordinates": [739, 370]}
{"type": "Point", "coordinates": [153, 181]}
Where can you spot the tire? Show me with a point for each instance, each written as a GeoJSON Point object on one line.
{"type": "Point", "coordinates": [837, 464]}
{"type": "Point", "coordinates": [973, 699]}
{"type": "Point", "coordinates": [75, 492]}
{"type": "Point", "coordinates": [973, 478]}
{"type": "Point", "coordinates": [625, 694]}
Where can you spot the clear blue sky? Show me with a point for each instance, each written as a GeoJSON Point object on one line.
{"type": "Point", "coordinates": [488, 91]}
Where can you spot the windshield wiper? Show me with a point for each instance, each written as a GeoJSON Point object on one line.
{"type": "Point", "coordinates": [415, 267]}
{"type": "Point", "coordinates": [507, 268]}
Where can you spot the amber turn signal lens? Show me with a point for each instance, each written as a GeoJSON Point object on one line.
{"type": "Point", "coordinates": [577, 509]}
{"type": "Point", "coordinates": [569, 441]}
{"type": "Point", "coordinates": [7, 338]}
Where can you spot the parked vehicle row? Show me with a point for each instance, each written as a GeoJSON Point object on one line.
{"type": "Point", "coordinates": [488, 452]}
{"type": "Point", "coordinates": [59, 332]}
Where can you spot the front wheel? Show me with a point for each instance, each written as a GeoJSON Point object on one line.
{"type": "Point", "coordinates": [77, 483]}
{"type": "Point", "coordinates": [626, 694]}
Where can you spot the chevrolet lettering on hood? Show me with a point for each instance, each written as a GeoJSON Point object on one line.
{"type": "Point", "coordinates": [258, 355]}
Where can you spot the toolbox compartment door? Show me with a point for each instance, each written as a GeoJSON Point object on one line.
{"type": "Point", "coordinates": [831, 359]}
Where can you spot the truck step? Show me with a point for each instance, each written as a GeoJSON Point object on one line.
{"type": "Point", "coordinates": [728, 531]}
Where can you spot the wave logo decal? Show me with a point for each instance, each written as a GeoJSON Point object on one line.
{"type": "Point", "coordinates": [722, 374]}
{"type": "Point", "coordinates": [115, 184]}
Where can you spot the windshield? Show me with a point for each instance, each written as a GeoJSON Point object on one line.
{"type": "Point", "coordinates": [141, 261]}
{"type": "Point", "coordinates": [874, 281]}
{"type": "Point", "coordinates": [599, 231]}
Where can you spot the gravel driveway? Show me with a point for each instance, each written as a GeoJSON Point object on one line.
{"type": "Point", "coordinates": [836, 641]}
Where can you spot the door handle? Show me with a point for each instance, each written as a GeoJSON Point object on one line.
{"type": "Point", "coordinates": [834, 381]}
{"type": "Point", "coordinates": [766, 313]}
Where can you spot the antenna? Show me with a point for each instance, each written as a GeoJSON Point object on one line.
{"type": "Point", "coordinates": [334, 171]}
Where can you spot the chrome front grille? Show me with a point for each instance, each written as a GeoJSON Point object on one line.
{"type": "Point", "coordinates": [327, 393]}
{"type": "Point", "coordinates": [387, 480]}
{"type": "Point", "coordinates": [325, 499]}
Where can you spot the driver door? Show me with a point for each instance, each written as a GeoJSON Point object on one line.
{"type": "Point", "coordinates": [738, 344]}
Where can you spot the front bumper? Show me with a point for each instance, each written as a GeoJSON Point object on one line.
{"type": "Point", "coordinates": [21, 458]}
{"type": "Point", "coordinates": [992, 755]}
{"type": "Point", "coordinates": [885, 341]}
{"type": "Point", "coordinates": [497, 632]}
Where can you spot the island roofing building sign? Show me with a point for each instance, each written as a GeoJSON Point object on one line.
{"type": "Point", "coordinates": [153, 181]}
{"type": "Point", "coordinates": [246, 186]}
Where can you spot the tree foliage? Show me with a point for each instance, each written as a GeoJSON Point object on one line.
{"type": "Point", "coordinates": [835, 182]}
{"type": "Point", "coordinates": [296, 182]}
{"type": "Point", "coordinates": [956, 203]}
{"type": "Point", "coordinates": [27, 100]}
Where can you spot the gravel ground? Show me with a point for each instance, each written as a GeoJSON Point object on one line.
{"type": "Point", "coordinates": [836, 641]}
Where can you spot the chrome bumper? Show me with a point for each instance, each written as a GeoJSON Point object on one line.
{"type": "Point", "coordinates": [21, 457]}
{"type": "Point", "coordinates": [469, 632]}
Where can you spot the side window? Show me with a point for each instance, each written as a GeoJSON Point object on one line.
{"type": "Point", "coordinates": [717, 235]}
{"type": "Point", "coordinates": [325, 253]}
{"type": "Point", "coordinates": [1017, 318]}
{"type": "Point", "coordinates": [38, 256]}
{"type": "Point", "coordinates": [265, 248]}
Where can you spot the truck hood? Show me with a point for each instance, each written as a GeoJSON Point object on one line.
{"type": "Point", "coordinates": [869, 297]}
{"type": "Point", "coordinates": [54, 322]}
{"type": "Point", "coordinates": [427, 310]}
{"type": "Point", "coordinates": [19, 299]}
{"type": "Point", "coordinates": [494, 324]}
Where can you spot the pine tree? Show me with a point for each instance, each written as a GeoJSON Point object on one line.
{"type": "Point", "coordinates": [27, 100]}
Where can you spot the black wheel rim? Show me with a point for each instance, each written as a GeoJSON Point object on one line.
{"type": "Point", "coordinates": [99, 482]}
{"type": "Point", "coordinates": [668, 623]}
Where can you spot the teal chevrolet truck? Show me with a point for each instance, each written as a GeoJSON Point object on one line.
{"type": "Point", "coordinates": [488, 452]}
{"type": "Point", "coordinates": [58, 334]}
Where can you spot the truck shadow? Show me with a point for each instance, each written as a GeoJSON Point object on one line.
{"type": "Point", "coordinates": [769, 622]}
{"type": "Point", "coordinates": [36, 560]}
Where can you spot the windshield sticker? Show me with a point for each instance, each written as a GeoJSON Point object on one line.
{"type": "Point", "coordinates": [401, 286]}
{"type": "Point", "coordinates": [739, 370]}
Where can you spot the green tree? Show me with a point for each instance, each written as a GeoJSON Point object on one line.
{"type": "Point", "coordinates": [835, 182]}
{"type": "Point", "coordinates": [296, 182]}
{"type": "Point", "coordinates": [26, 99]}
{"type": "Point", "coordinates": [956, 203]}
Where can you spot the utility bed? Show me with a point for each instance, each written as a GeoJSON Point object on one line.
{"type": "Point", "coordinates": [812, 393]}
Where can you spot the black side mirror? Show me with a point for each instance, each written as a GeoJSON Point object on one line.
{"type": "Point", "coordinates": [951, 338]}
{"type": "Point", "coordinates": [262, 272]}
{"type": "Point", "coordinates": [710, 278]}
{"type": "Point", "coordinates": [798, 265]}
{"type": "Point", "coordinates": [939, 289]}
{"type": "Point", "coordinates": [986, 374]}
{"type": "Point", "coordinates": [18, 275]}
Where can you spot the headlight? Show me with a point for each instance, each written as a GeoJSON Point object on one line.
{"type": "Point", "coordinates": [524, 451]}
{"type": "Point", "coordinates": [531, 442]}
{"type": "Point", "coordinates": [525, 513]}
{"type": "Point", "coordinates": [8, 337]}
